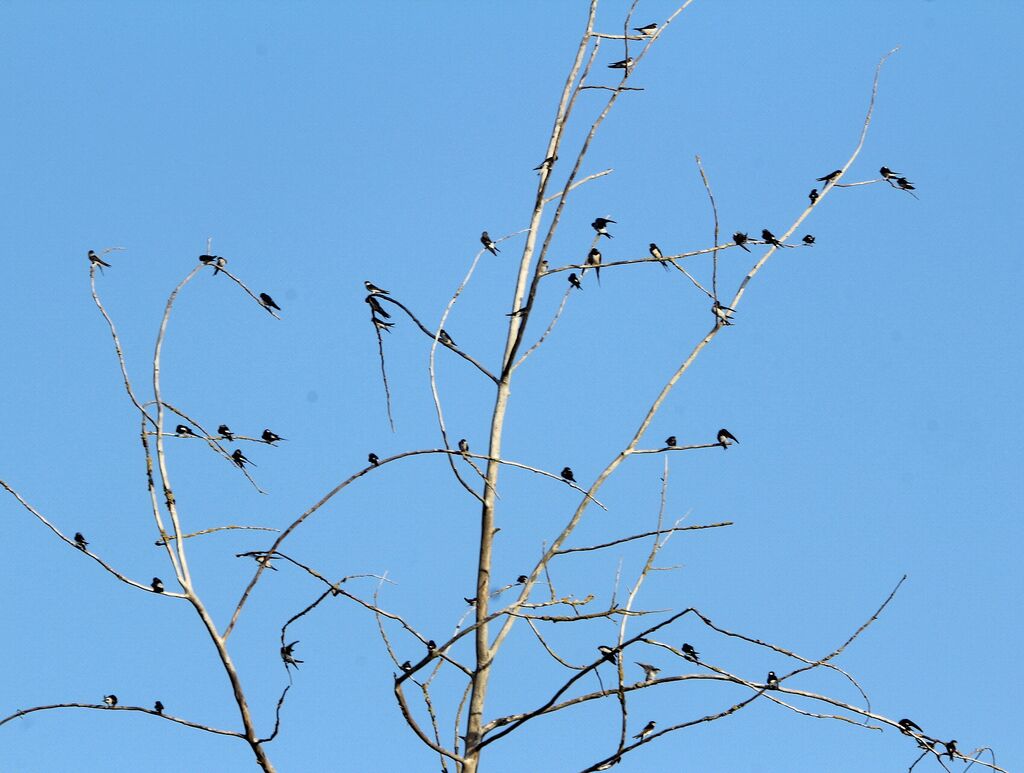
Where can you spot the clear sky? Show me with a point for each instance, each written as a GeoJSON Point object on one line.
{"type": "Point", "coordinates": [873, 381]}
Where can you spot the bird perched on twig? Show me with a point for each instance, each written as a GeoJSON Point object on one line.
{"type": "Point", "coordinates": [951, 749]}
{"type": "Point", "coordinates": [219, 265]}
{"type": "Point", "coordinates": [690, 653]}
{"type": "Point", "coordinates": [656, 254]}
{"type": "Point", "coordinates": [722, 313]}
{"type": "Point", "coordinates": [471, 602]}
{"type": "Point", "coordinates": [906, 725]}
{"type": "Point", "coordinates": [830, 177]}
{"type": "Point", "coordinates": [375, 307]}
{"type": "Point", "coordinates": [522, 579]}
{"type": "Point", "coordinates": [382, 325]}
{"type": "Point", "coordinates": [489, 244]}
{"type": "Point", "coordinates": [647, 29]}
{"type": "Point", "coordinates": [772, 682]}
{"type": "Point", "coordinates": [648, 729]}
{"type": "Point", "coordinates": [546, 163]}
{"type": "Point", "coordinates": [240, 459]}
{"type": "Point", "coordinates": [567, 475]}
{"type": "Point", "coordinates": [110, 700]}
{"type": "Point", "coordinates": [808, 239]}
{"type": "Point", "coordinates": [157, 585]}
{"type": "Point", "coordinates": [373, 459]}
{"type": "Point", "coordinates": [158, 707]}
{"type": "Point", "coordinates": [268, 302]}
{"type": "Point", "coordinates": [444, 338]}
{"type": "Point", "coordinates": [80, 542]}
{"type": "Point", "coordinates": [463, 446]}
{"type": "Point", "coordinates": [670, 441]}
{"type": "Point", "coordinates": [888, 174]}
{"type": "Point", "coordinates": [225, 432]}
{"type": "Point", "coordinates": [270, 437]}
{"type": "Point", "coordinates": [726, 438]}
{"type": "Point", "coordinates": [622, 64]}
{"type": "Point", "coordinates": [594, 259]}
{"type": "Point", "coordinates": [813, 196]}
{"type": "Point", "coordinates": [373, 289]}
{"type": "Point", "coordinates": [184, 431]}
{"type": "Point", "coordinates": [96, 260]}
{"type": "Point", "coordinates": [607, 653]}
{"type": "Point", "coordinates": [288, 656]}
{"type": "Point", "coordinates": [904, 184]}
{"type": "Point", "coordinates": [406, 667]}
{"type": "Point", "coordinates": [769, 237]}
{"type": "Point", "coordinates": [650, 672]}
{"type": "Point", "coordinates": [741, 240]}
{"type": "Point", "coordinates": [600, 225]}
{"type": "Point", "coordinates": [574, 281]}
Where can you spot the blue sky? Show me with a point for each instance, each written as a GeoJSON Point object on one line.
{"type": "Point", "coordinates": [873, 380]}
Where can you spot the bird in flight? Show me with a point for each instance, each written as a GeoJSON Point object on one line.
{"type": "Point", "coordinates": [80, 542]}
{"type": "Point", "coordinates": [623, 64]}
{"type": "Point", "coordinates": [600, 225]}
{"type": "Point", "coordinates": [769, 237]}
{"type": "Point", "coordinates": [809, 239]}
{"type": "Point", "coordinates": [648, 729]}
{"type": "Point", "coordinates": [268, 302]}
{"type": "Point", "coordinates": [647, 29]}
{"type": "Point", "coordinates": [650, 672]}
{"type": "Point", "coordinates": [96, 260]}
{"type": "Point", "coordinates": [772, 682]}
{"type": "Point", "coordinates": [157, 585]}
{"type": "Point", "coordinates": [184, 431]}
{"type": "Point", "coordinates": [726, 438]}
{"type": "Point", "coordinates": [110, 700]}
{"type": "Point", "coordinates": [574, 281]}
{"type": "Point", "coordinates": [567, 475]}
{"type": "Point", "coordinates": [240, 459]}
{"type": "Point", "coordinates": [158, 707]}
{"type": "Point", "coordinates": [741, 240]}
{"type": "Point", "coordinates": [670, 441]}
{"type": "Point", "coordinates": [373, 289]}
{"type": "Point", "coordinates": [594, 259]}
{"type": "Point", "coordinates": [813, 196]}
{"type": "Point", "coordinates": [225, 432]}
{"type": "Point", "coordinates": [722, 313]}
{"type": "Point", "coordinates": [489, 244]}
{"type": "Point", "coordinates": [656, 254]}
{"type": "Point", "coordinates": [830, 177]}
{"type": "Point", "coordinates": [270, 437]}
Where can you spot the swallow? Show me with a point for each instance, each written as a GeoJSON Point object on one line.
{"type": "Point", "coordinates": [444, 338]}
{"type": "Point", "coordinates": [96, 260]}
{"type": "Point", "coordinates": [623, 64]}
{"type": "Point", "coordinates": [431, 645]}
{"type": "Point", "coordinates": [574, 281]}
{"type": "Point", "coordinates": [722, 313]}
{"type": "Point", "coordinates": [184, 431]}
{"type": "Point", "coordinates": [542, 267]}
{"type": "Point", "coordinates": [610, 764]}
{"type": "Point", "coordinates": [157, 585]}
{"type": "Point", "coordinates": [373, 459]}
{"type": "Point", "coordinates": [607, 653]}
{"type": "Point", "coordinates": [219, 265]}
{"type": "Point", "coordinates": [906, 725]}
{"type": "Point", "coordinates": [647, 29]}
{"type": "Point", "coordinates": [656, 254]}
{"type": "Point", "coordinates": [471, 602]}
{"type": "Point", "coordinates": [463, 446]}
{"type": "Point", "coordinates": [268, 302]}
{"type": "Point", "coordinates": [601, 226]}
{"type": "Point", "coordinates": [830, 177]}
{"type": "Point", "coordinates": [772, 682]}
{"type": "Point", "coordinates": [670, 441]}
{"type": "Point", "coordinates": [373, 289]}
{"type": "Point", "coordinates": [80, 542]}
{"type": "Point", "coordinates": [888, 174]}
{"type": "Point", "coordinates": [726, 438]}
{"type": "Point", "coordinates": [288, 656]}
{"type": "Point", "coordinates": [406, 666]}
{"type": "Point", "coordinates": [567, 475]}
{"type": "Point", "coordinates": [950, 748]}
{"type": "Point", "coordinates": [158, 707]}
{"type": "Point", "coordinates": [239, 458]}
{"type": "Point", "coordinates": [928, 744]}
{"type": "Point", "coordinates": [905, 184]}
{"type": "Point", "coordinates": [270, 437]}
{"type": "Point", "coordinates": [650, 672]}
{"type": "Point", "coordinates": [690, 653]}
{"type": "Point", "coordinates": [546, 163]}
{"type": "Point", "coordinates": [375, 307]}
{"type": "Point", "coordinates": [225, 432]}
{"type": "Point", "coordinates": [808, 239]}
{"type": "Point", "coordinates": [648, 729]}
{"type": "Point", "coordinates": [110, 700]}
{"type": "Point", "coordinates": [382, 325]}
{"type": "Point", "coordinates": [741, 240]}
{"type": "Point", "coordinates": [813, 196]}
{"type": "Point", "coordinates": [594, 259]}
{"type": "Point", "coordinates": [522, 579]}
{"type": "Point", "coordinates": [207, 260]}
{"type": "Point", "coordinates": [769, 237]}
{"type": "Point", "coordinates": [489, 244]}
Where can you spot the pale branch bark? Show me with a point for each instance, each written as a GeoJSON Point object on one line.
{"type": "Point", "coordinates": [714, 215]}
{"type": "Point", "coordinates": [212, 529]}
{"type": "Point", "coordinates": [139, 709]}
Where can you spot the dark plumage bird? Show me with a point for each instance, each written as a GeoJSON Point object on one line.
{"type": "Point", "coordinates": [489, 244]}
{"type": "Point", "coordinates": [600, 225]}
{"type": "Point", "coordinates": [722, 313]}
{"type": "Point", "coordinates": [158, 707]}
{"type": "Point", "coordinates": [813, 196]}
{"type": "Point", "coordinates": [670, 441]}
{"type": "Point", "coordinates": [444, 338]}
{"type": "Point", "coordinates": [772, 682]}
{"type": "Point", "coordinates": [647, 29]}
{"type": "Point", "coordinates": [906, 725]}
{"type": "Point", "coordinates": [809, 239]}
{"type": "Point", "coordinates": [431, 645]}
{"type": "Point", "coordinates": [382, 325]}
{"type": "Point", "coordinates": [567, 475]}
{"type": "Point", "coordinates": [547, 162]}
{"type": "Point", "coordinates": [375, 306]}
{"type": "Point", "coordinates": [622, 64]}
{"type": "Point", "coordinates": [157, 585]}
{"type": "Point", "coordinates": [270, 437]}
{"type": "Point", "coordinates": [888, 174]}
{"type": "Point", "coordinates": [650, 672]}
{"type": "Point", "coordinates": [594, 259]}
{"type": "Point", "coordinates": [240, 459]}
{"type": "Point", "coordinates": [575, 281]}
{"type": "Point", "coordinates": [607, 653]}
{"type": "Point", "coordinates": [471, 602]}
{"type": "Point", "coordinates": [656, 254]}
{"type": "Point", "coordinates": [208, 260]}
{"type": "Point", "coordinates": [406, 666]}
{"type": "Point", "coordinates": [184, 431]}
{"type": "Point", "coordinates": [463, 446]}
{"type": "Point", "coordinates": [769, 237]}
{"type": "Point", "coordinates": [110, 700]}
{"type": "Point", "coordinates": [288, 656]}
{"type": "Point", "coordinates": [690, 653]}
{"type": "Point", "coordinates": [373, 459]}
{"type": "Point", "coordinates": [80, 542]}
{"type": "Point", "coordinates": [648, 729]}
{"type": "Point", "coordinates": [96, 260]}
{"type": "Point", "coordinates": [950, 748]}
{"type": "Point", "coordinates": [904, 184]}
{"type": "Point", "coordinates": [830, 177]}
{"type": "Point", "coordinates": [268, 302]}
{"type": "Point", "coordinates": [225, 432]}
{"type": "Point", "coordinates": [522, 579]}
{"type": "Point", "coordinates": [373, 289]}
{"type": "Point", "coordinates": [726, 438]}
{"type": "Point", "coordinates": [219, 264]}
{"type": "Point", "coordinates": [741, 240]}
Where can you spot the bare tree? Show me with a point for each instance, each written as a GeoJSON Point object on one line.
{"type": "Point", "coordinates": [454, 723]}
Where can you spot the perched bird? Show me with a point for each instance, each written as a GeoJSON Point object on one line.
{"type": "Point", "coordinates": [670, 441]}
{"type": "Point", "coordinates": [157, 585]}
{"type": "Point", "coordinates": [722, 313]}
{"type": "Point", "coordinates": [608, 653]}
{"type": "Point", "coordinates": [809, 239]}
{"type": "Point", "coordinates": [444, 338]}
{"type": "Point", "coordinates": [741, 240]}
{"type": "Point", "coordinates": [650, 672]}
{"type": "Point", "coordinates": [268, 302]}
{"type": "Point", "coordinates": [522, 579]}
{"type": "Point", "coordinates": [647, 29]}
{"type": "Point", "coordinates": [489, 244]}
{"type": "Point", "coordinates": [375, 307]}
{"type": "Point", "coordinates": [648, 729]}
{"type": "Point", "coordinates": [813, 196]}
{"type": "Point", "coordinates": [950, 748]}
{"type": "Point", "coordinates": [772, 682]}
{"type": "Point", "coordinates": [158, 707]}
{"type": "Point", "coordinates": [690, 653]}
{"type": "Point", "coordinates": [726, 438]}
{"type": "Point", "coordinates": [600, 225]}
{"type": "Point", "coordinates": [546, 163]}
{"type": "Point", "coordinates": [382, 325]}
{"type": "Point", "coordinates": [225, 432]}
{"type": "Point", "coordinates": [769, 237]}
{"type": "Point", "coordinates": [542, 267]}
{"type": "Point", "coordinates": [184, 431]}
{"type": "Point", "coordinates": [406, 666]}
{"type": "Point", "coordinates": [270, 437]}
{"type": "Point", "coordinates": [431, 645]}
{"type": "Point", "coordinates": [80, 542]}
{"type": "Point", "coordinates": [623, 64]}
{"type": "Point", "coordinates": [110, 700]}
{"type": "Point", "coordinates": [830, 177]}
{"type": "Point", "coordinates": [373, 289]}
{"type": "Point", "coordinates": [471, 602]}
{"type": "Point", "coordinates": [574, 281]}
{"type": "Point", "coordinates": [656, 254]}
{"type": "Point", "coordinates": [463, 446]}
{"type": "Point", "coordinates": [610, 764]}
{"type": "Point", "coordinates": [567, 475]}
{"type": "Point", "coordinates": [904, 184]}
{"type": "Point", "coordinates": [239, 458]}
{"type": "Point", "coordinates": [373, 459]}
{"type": "Point", "coordinates": [96, 260]}
{"type": "Point", "coordinates": [906, 725]}
{"type": "Point", "coordinates": [219, 264]}
{"type": "Point", "coordinates": [888, 174]}
{"type": "Point", "coordinates": [288, 656]}
{"type": "Point", "coordinates": [208, 259]}
{"type": "Point", "coordinates": [594, 259]}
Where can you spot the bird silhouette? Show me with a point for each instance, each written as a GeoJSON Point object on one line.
{"type": "Point", "coordinates": [769, 237]}
{"type": "Point", "coordinates": [158, 707]}
{"type": "Point", "coordinates": [741, 240]}
{"type": "Point", "coordinates": [722, 313]}
{"type": "Point", "coordinates": [772, 682]}
{"type": "Point", "coordinates": [813, 196]}
{"type": "Point", "coordinates": [240, 459]}
{"type": "Point", "coordinates": [268, 302]}
{"type": "Point", "coordinates": [600, 225]}
{"type": "Point", "coordinates": [647, 29]}
{"type": "Point", "coordinates": [726, 438]}
{"type": "Point", "coordinates": [650, 672]}
{"type": "Point", "coordinates": [648, 729]}
{"type": "Point", "coordinates": [373, 289]}
{"type": "Point", "coordinates": [830, 177]}
{"type": "Point", "coordinates": [489, 244]}
{"type": "Point", "coordinates": [567, 475]}
{"type": "Point", "coordinates": [270, 437]}
{"type": "Point", "coordinates": [110, 700]}
{"type": "Point", "coordinates": [96, 260]}
{"type": "Point", "coordinates": [157, 585]}
{"type": "Point", "coordinates": [225, 432]}
{"type": "Point", "coordinates": [690, 653]}
{"type": "Point", "coordinates": [373, 459]}
{"type": "Point", "coordinates": [80, 542]}
{"type": "Point", "coordinates": [574, 281]}
{"type": "Point", "coordinates": [594, 259]}
{"type": "Point", "coordinates": [656, 254]}
{"type": "Point", "coordinates": [184, 431]}
{"type": "Point", "coordinates": [623, 64]}
{"type": "Point", "coordinates": [808, 239]}
{"type": "Point", "coordinates": [670, 441]}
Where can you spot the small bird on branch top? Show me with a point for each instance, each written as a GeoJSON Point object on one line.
{"type": "Point", "coordinates": [546, 163]}
{"type": "Point", "coordinates": [813, 196]}
{"type": "Point", "coordinates": [594, 259]}
{"type": "Point", "coordinates": [741, 240]}
{"type": "Point", "coordinates": [656, 254]}
{"type": "Point", "coordinates": [888, 174]}
{"type": "Point", "coordinates": [270, 437]}
{"type": "Point", "coordinates": [444, 338]}
{"type": "Point", "coordinates": [489, 244]}
{"type": "Point", "coordinates": [830, 177]}
{"type": "Point", "coordinates": [623, 64]}
{"type": "Point", "coordinates": [574, 281]}
{"type": "Point", "coordinates": [373, 289]}
{"type": "Point", "coordinates": [158, 707]}
{"type": "Point", "coordinates": [110, 700]}
{"type": "Point", "coordinates": [650, 672]}
{"type": "Point", "coordinates": [96, 260]}
{"type": "Point", "coordinates": [225, 432]}
{"type": "Point", "coordinates": [906, 725]}
{"type": "Point", "coordinates": [647, 29]}
{"type": "Point", "coordinates": [157, 585]}
{"type": "Point", "coordinates": [722, 313]}
{"type": "Point", "coordinates": [80, 542]}
{"type": "Point", "coordinates": [184, 431]}
{"type": "Point", "coordinates": [463, 446]}
{"type": "Point", "coordinates": [567, 475]}
{"type": "Point", "coordinates": [670, 441]}
{"type": "Point", "coordinates": [288, 656]}
{"type": "Point", "coordinates": [607, 653]}
{"type": "Point", "coordinates": [769, 237]}
{"type": "Point", "coordinates": [690, 653]}
{"type": "Point", "coordinates": [373, 459]}
{"type": "Point", "coordinates": [772, 682]}
{"type": "Point", "coordinates": [240, 459]}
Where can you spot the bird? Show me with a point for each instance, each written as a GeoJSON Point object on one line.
{"type": "Point", "coordinates": [463, 446]}
{"type": "Point", "coordinates": [547, 162]}
{"type": "Point", "coordinates": [80, 542]}
{"type": "Point", "coordinates": [650, 672]}
{"type": "Point", "coordinates": [904, 184]}
{"type": "Point", "coordinates": [406, 666]}
{"type": "Point", "coordinates": [96, 260]}
{"type": "Point", "coordinates": [594, 259]}
{"type": "Point", "coordinates": [689, 652]}
{"type": "Point", "coordinates": [219, 265]}
{"type": "Point", "coordinates": [225, 432]}
{"type": "Point", "coordinates": [375, 306]}
{"type": "Point", "coordinates": [110, 700]}
{"type": "Point", "coordinates": [471, 602]}
{"type": "Point", "coordinates": [726, 438]}
{"type": "Point", "coordinates": [647, 29]}
{"type": "Point", "coordinates": [567, 475]}
{"type": "Point", "coordinates": [608, 653]}
{"type": "Point", "coordinates": [158, 707]}
{"type": "Point", "coordinates": [769, 237]}
{"type": "Point", "coordinates": [373, 289]}
{"type": "Point", "coordinates": [772, 682]}
{"type": "Point", "coordinates": [600, 225]}
{"type": "Point", "coordinates": [906, 725]}
{"type": "Point", "coordinates": [157, 585]}
{"type": "Point", "coordinates": [184, 431]}
{"type": "Point", "coordinates": [656, 254]}
{"type": "Point", "coordinates": [268, 302]}
{"type": "Point", "coordinates": [208, 259]}
{"type": "Point", "coordinates": [830, 177]}
{"type": "Point", "coordinates": [950, 748]}
{"type": "Point", "coordinates": [741, 240]}
{"type": "Point", "coordinates": [373, 459]}
{"type": "Point", "coordinates": [270, 437]}
{"type": "Point", "coordinates": [489, 244]}
{"type": "Point", "coordinates": [288, 655]}
{"type": "Point", "coordinates": [574, 281]}
{"type": "Point", "coordinates": [887, 173]}
{"type": "Point", "coordinates": [444, 338]}
{"type": "Point", "coordinates": [382, 325]}
{"type": "Point", "coordinates": [808, 239]}
{"type": "Point", "coordinates": [648, 729]}
{"type": "Point", "coordinates": [670, 441]}
{"type": "Point", "coordinates": [722, 313]}
{"type": "Point", "coordinates": [623, 64]}
{"type": "Point", "coordinates": [542, 267]}
{"type": "Point", "coordinates": [813, 196]}
{"type": "Point", "coordinates": [431, 645]}
{"type": "Point", "coordinates": [239, 458]}
{"type": "Point", "coordinates": [522, 579]}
